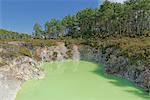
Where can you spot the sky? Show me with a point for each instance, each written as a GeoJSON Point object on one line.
{"type": "Point", "coordinates": [20, 15]}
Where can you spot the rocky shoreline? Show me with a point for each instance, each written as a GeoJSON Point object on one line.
{"type": "Point", "coordinates": [23, 68]}
{"type": "Point", "coordinates": [120, 65]}
{"type": "Point", "coordinates": [8, 87]}
{"type": "Point", "coordinates": [13, 75]}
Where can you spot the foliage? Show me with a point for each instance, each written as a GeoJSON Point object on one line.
{"type": "Point", "coordinates": [24, 51]}
{"type": "Point", "coordinates": [133, 48]}
{"type": "Point", "coordinates": [2, 63]}
{"type": "Point", "coordinates": [38, 42]}
{"type": "Point", "coordinates": [123, 26]}
{"type": "Point", "coordinates": [131, 19]}
{"type": "Point", "coordinates": [5, 34]}
{"type": "Point", "coordinates": [37, 30]}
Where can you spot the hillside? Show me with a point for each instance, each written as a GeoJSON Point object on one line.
{"type": "Point", "coordinates": [5, 34]}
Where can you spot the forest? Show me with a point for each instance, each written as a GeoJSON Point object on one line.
{"type": "Point", "coordinates": [5, 34]}
{"type": "Point", "coordinates": [131, 19]}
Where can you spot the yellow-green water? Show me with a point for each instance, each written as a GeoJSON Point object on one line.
{"type": "Point", "coordinates": [79, 80]}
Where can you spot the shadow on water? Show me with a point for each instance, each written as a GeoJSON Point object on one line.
{"type": "Point", "coordinates": [121, 83]}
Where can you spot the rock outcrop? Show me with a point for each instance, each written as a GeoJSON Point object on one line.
{"type": "Point", "coordinates": [59, 52]}
{"type": "Point", "coordinates": [8, 87]}
{"type": "Point", "coordinates": [21, 68]}
{"type": "Point", "coordinates": [119, 65]}
{"type": "Point", "coordinates": [12, 75]}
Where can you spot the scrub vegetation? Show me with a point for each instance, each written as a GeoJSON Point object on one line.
{"type": "Point", "coordinates": [125, 27]}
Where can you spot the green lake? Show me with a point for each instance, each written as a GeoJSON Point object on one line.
{"type": "Point", "coordinates": [79, 80]}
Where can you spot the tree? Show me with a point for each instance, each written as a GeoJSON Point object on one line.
{"type": "Point", "coordinates": [70, 25]}
{"type": "Point", "coordinates": [37, 30]}
{"type": "Point", "coordinates": [85, 20]}
{"type": "Point", "coordinates": [54, 28]}
{"type": "Point", "coordinates": [5, 34]}
{"type": "Point", "coordinates": [131, 18]}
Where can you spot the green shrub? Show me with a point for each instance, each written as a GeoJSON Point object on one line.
{"type": "Point", "coordinates": [24, 51]}
{"type": "Point", "coordinates": [2, 63]}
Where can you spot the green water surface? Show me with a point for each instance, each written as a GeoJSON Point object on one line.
{"type": "Point", "coordinates": [79, 80]}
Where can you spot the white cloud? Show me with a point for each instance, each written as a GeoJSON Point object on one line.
{"type": "Point", "coordinates": [120, 1]}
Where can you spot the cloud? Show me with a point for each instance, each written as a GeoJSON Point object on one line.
{"type": "Point", "coordinates": [119, 1]}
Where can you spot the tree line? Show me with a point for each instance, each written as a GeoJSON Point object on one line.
{"type": "Point", "coordinates": [5, 34]}
{"type": "Point", "coordinates": [132, 18]}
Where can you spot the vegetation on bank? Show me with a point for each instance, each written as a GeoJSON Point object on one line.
{"type": "Point", "coordinates": [133, 48]}
{"type": "Point", "coordinates": [123, 26]}
{"type": "Point", "coordinates": [130, 19]}
{"type": "Point", "coordinates": [136, 49]}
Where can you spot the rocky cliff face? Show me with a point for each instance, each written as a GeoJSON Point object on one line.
{"type": "Point", "coordinates": [18, 69]}
{"type": "Point", "coordinates": [21, 67]}
{"type": "Point", "coordinates": [8, 87]}
{"type": "Point", "coordinates": [138, 72]}
{"type": "Point", "coordinates": [59, 52]}
{"type": "Point", "coordinates": [14, 73]}
{"type": "Point", "coordinates": [119, 65]}
{"type": "Point", "coordinates": [113, 62]}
